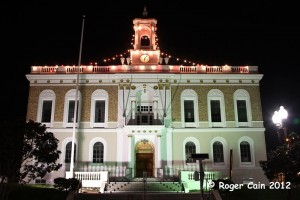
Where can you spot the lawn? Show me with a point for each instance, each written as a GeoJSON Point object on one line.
{"type": "Point", "coordinates": [35, 192]}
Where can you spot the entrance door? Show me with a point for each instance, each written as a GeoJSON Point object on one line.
{"type": "Point", "coordinates": [144, 163]}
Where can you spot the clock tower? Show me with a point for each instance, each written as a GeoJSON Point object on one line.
{"type": "Point", "coordinates": [144, 50]}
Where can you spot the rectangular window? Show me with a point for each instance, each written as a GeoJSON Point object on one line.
{"type": "Point", "coordinates": [72, 110]}
{"type": "Point", "coordinates": [189, 111]}
{"type": "Point", "coordinates": [242, 111]}
{"type": "Point", "coordinates": [46, 111]}
{"type": "Point", "coordinates": [138, 119]}
{"type": "Point", "coordinates": [144, 119]}
{"type": "Point", "coordinates": [215, 111]}
{"type": "Point", "coordinates": [99, 111]}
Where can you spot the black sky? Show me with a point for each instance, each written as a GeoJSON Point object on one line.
{"type": "Point", "coordinates": [264, 34]}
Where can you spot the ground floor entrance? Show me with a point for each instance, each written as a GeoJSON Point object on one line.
{"type": "Point", "coordinates": [144, 159]}
{"type": "Point", "coordinates": [144, 163]}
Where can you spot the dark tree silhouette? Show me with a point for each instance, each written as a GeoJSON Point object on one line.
{"type": "Point", "coordinates": [39, 152]}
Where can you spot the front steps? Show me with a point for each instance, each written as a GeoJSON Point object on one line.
{"type": "Point", "coordinates": [138, 186]}
{"type": "Point", "coordinates": [134, 190]}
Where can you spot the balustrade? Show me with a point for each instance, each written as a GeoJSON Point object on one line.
{"type": "Point", "coordinates": [144, 68]}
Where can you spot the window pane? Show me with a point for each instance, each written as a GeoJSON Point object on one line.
{"type": "Point", "coordinates": [189, 111]}
{"type": "Point", "coordinates": [72, 110]}
{"type": "Point", "coordinates": [242, 111]}
{"type": "Point", "coordinates": [245, 152]}
{"type": "Point", "coordinates": [215, 111]}
{"type": "Point", "coordinates": [46, 111]}
{"type": "Point", "coordinates": [99, 111]}
{"type": "Point", "coordinates": [68, 152]}
{"type": "Point", "coordinates": [190, 148]}
{"type": "Point", "coordinates": [218, 152]}
{"type": "Point", "coordinates": [98, 151]}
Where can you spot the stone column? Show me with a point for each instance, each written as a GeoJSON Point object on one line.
{"type": "Point", "coordinates": [155, 109]}
{"type": "Point", "coordinates": [129, 171]}
{"type": "Point", "coordinates": [133, 109]}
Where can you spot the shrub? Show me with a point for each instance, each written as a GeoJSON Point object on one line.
{"type": "Point", "coordinates": [61, 183]}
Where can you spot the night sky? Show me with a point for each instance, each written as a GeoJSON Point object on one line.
{"type": "Point", "coordinates": [245, 33]}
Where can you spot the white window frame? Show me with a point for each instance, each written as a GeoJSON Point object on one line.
{"type": "Point", "coordinates": [189, 94]}
{"type": "Point", "coordinates": [70, 96]}
{"type": "Point", "coordinates": [225, 152]}
{"type": "Point", "coordinates": [251, 143]}
{"type": "Point", "coordinates": [216, 94]}
{"type": "Point", "coordinates": [91, 145]}
{"type": "Point", "coordinates": [46, 95]}
{"type": "Point", "coordinates": [242, 94]}
{"type": "Point", "coordinates": [101, 95]}
{"type": "Point", "coordinates": [196, 142]}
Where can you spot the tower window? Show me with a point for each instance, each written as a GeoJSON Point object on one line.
{"type": "Point", "coordinates": [145, 41]}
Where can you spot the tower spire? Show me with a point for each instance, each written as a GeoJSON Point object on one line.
{"type": "Point", "coordinates": [145, 12]}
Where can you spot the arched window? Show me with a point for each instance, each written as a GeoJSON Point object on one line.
{"type": "Point", "coordinates": [242, 108]}
{"type": "Point", "coordinates": [98, 152]}
{"type": "Point", "coordinates": [245, 152]}
{"type": "Point", "coordinates": [218, 152]}
{"type": "Point", "coordinates": [46, 108]}
{"type": "Point", "coordinates": [216, 108]}
{"type": "Point", "coordinates": [68, 152]}
{"type": "Point", "coordinates": [145, 41]}
{"type": "Point", "coordinates": [190, 148]}
{"type": "Point", "coordinates": [189, 108]}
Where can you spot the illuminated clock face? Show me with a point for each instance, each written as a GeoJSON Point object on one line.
{"type": "Point", "coordinates": [144, 58]}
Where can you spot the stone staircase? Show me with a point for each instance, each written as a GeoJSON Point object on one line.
{"type": "Point", "coordinates": [135, 189]}
{"type": "Point", "coordinates": [141, 186]}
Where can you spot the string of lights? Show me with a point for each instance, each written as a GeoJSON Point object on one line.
{"type": "Point", "coordinates": [173, 59]}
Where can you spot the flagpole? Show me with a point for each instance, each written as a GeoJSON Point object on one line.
{"type": "Point", "coordinates": [76, 104]}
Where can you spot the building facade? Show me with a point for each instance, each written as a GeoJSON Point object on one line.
{"type": "Point", "coordinates": [147, 115]}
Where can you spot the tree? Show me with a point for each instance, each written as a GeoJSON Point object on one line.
{"type": "Point", "coordinates": [10, 154]}
{"type": "Point", "coordinates": [39, 152]}
{"type": "Point", "coordinates": [285, 159]}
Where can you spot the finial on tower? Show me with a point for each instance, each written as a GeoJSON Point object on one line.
{"type": "Point", "coordinates": [145, 12]}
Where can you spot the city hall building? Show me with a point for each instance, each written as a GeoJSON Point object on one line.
{"type": "Point", "coordinates": [145, 114]}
